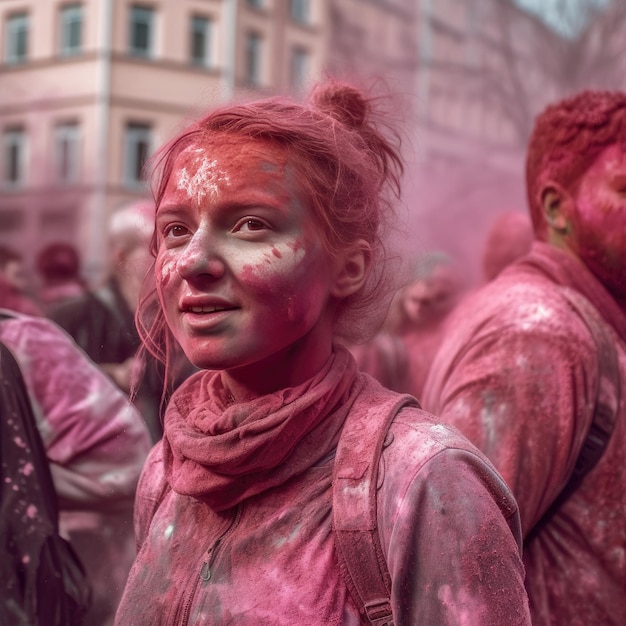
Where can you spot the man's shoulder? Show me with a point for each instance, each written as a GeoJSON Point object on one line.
{"type": "Point", "coordinates": [523, 302]}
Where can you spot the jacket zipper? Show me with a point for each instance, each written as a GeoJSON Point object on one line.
{"type": "Point", "coordinates": [207, 564]}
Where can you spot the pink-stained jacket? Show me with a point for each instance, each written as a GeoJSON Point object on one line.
{"type": "Point", "coordinates": [448, 525]}
{"type": "Point", "coordinates": [96, 441]}
{"type": "Point", "coordinates": [517, 374]}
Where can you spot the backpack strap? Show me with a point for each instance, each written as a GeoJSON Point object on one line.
{"type": "Point", "coordinates": [606, 404]}
{"type": "Point", "coordinates": [355, 475]}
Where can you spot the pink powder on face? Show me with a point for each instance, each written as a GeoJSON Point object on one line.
{"type": "Point", "coordinates": [598, 220]}
{"type": "Point", "coordinates": [296, 245]}
{"type": "Point", "coordinates": [165, 270]}
{"type": "Point", "coordinates": [249, 243]}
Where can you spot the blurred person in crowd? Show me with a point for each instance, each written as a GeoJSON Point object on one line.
{"type": "Point", "coordinates": [424, 306]}
{"type": "Point", "coordinates": [399, 357]}
{"type": "Point", "coordinates": [13, 292]}
{"type": "Point", "coordinates": [96, 444]}
{"type": "Point", "coordinates": [533, 370]}
{"type": "Point", "coordinates": [268, 246]}
{"type": "Point", "coordinates": [509, 238]}
{"type": "Point", "coordinates": [59, 268]}
{"type": "Point", "coordinates": [419, 313]}
{"type": "Point", "coordinates": [102, 321]}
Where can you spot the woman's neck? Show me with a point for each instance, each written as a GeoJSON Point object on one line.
{"type": "Point", "coordinates": [287, 368]}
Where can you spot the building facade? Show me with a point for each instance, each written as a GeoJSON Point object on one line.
{"type": "Point", "coordinates": [89, 89]}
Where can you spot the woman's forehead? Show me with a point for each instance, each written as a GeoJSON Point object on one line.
{"type": "Point", "coordinates": [228, 163]}
{"type": "Point", "coordinates": [233, 151]}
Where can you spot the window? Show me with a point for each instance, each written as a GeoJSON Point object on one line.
{"type": "Point", "coordinates": [299, 10]}
{"type": "Point", "coordinates": [137, 147]}
{"type": "Point", "coordinates": [16, 46]}
{"type": "Point", "coordinates": [66, 153]}
{"type": "Point", "coordinates": [299, 68]}
{"type": "Point", "coordinates": [254, 44]}
{"type": "Point", "coordinates": [141, 27]}
{"type": "Point", "coordinates": [257, 4]}
{"type": "Point", "coordinates": [14, 157]}
{"type": "Point", "coordinates": [71, 29]}
{"type": "Point", "coordinates": [201, 41]}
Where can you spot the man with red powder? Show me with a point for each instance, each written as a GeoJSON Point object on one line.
{"type": "Point", "coordinates": [520, 370]}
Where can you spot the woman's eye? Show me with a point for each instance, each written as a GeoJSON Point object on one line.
{"type": "Point", "coordinates": [175, 230]}
{"type": "Point", "coordinates": [250, 224]}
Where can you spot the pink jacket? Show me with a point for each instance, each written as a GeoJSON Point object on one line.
{"type": "Point", "coordinates": [448, 525]}
{"type": "Point", "coordinates": [517, 374]}
{"type": "Point", "coordinates": [96, 441]}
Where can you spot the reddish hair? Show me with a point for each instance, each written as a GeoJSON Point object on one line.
{"type": "Point", "coordinates": [59, 262]}
{"type": "Point", "coordinates": [567, 139]}
{"type": "Point", "coordinates": [347, 164]}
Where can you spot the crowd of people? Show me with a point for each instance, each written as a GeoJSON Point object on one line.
{"type": "Point", "coordinates": [254, 421]}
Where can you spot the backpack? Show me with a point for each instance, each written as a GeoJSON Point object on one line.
{"type": "Point", "coordinates": [355, 477]}
{"type": "Point", "coordinates": [605, 408]}
{"type": "Point", "coordinates": [44, 582]}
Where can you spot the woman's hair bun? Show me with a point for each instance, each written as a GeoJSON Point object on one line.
{"type": "Point", "coordinates": [342, 102]}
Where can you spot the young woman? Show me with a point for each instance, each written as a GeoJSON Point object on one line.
{"type": "Point", "coordinates": [267, 248]}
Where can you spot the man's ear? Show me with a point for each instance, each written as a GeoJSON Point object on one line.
{"type": "Point", "coordinates": [557, 204]}
{"type": "Point", "coordinates": [351, 269]}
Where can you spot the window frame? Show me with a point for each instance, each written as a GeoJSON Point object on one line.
{"type": "Point", "coordinates": [298, 76]}
{"type": "Point", "coordinates": [16, 25]}
{"type": "Point", "coordinates": [300, 11]}
{"type": "Point", "coordinates": [149, 23]}
{"type": "Point", "coordinates": [14, 138]}
{"type": "Point", "coordinates": [70, 15]}
{"type": "Point", "coordinates": [206, 60]}
{"type": "Point", "coordinates": [68, 134]}
{"type": "Point", "coordinates": [254, 58]}
{"type": "Point", "coordinates": [136, 134]}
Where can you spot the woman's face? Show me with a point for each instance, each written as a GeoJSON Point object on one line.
{"type": "Point", "coordinates": [242, 275]}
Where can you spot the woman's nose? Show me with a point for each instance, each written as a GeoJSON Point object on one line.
{"type": "Point", "coordinates": [200, 258]}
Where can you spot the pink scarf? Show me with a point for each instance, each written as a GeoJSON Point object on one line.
{"type": "Point", "coordinates": [224, 454]}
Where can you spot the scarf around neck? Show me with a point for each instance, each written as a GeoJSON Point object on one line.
{"type": "Point", "coordinates": [224, 453]}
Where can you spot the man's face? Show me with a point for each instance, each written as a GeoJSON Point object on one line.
{"type": "Point", "coordinates": [598, 221]}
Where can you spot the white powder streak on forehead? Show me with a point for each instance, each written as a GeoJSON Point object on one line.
{"type": "Point", "coordinates": [205, 181]}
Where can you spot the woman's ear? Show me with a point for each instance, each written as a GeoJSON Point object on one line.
{"type": "Point", "coordinates": [351, 269]}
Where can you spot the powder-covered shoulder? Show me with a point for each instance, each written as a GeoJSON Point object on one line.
{"type": "Point", "coordinates": [416, 436]}
{"type": "Point", "coordinates": [421, 450]}
{"type": "Point", "coordinates": [524, 307]}
{"type": "Point", "coordinates": [449, 529]}
{"type": "Point", "coordinates": [29, 330]}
